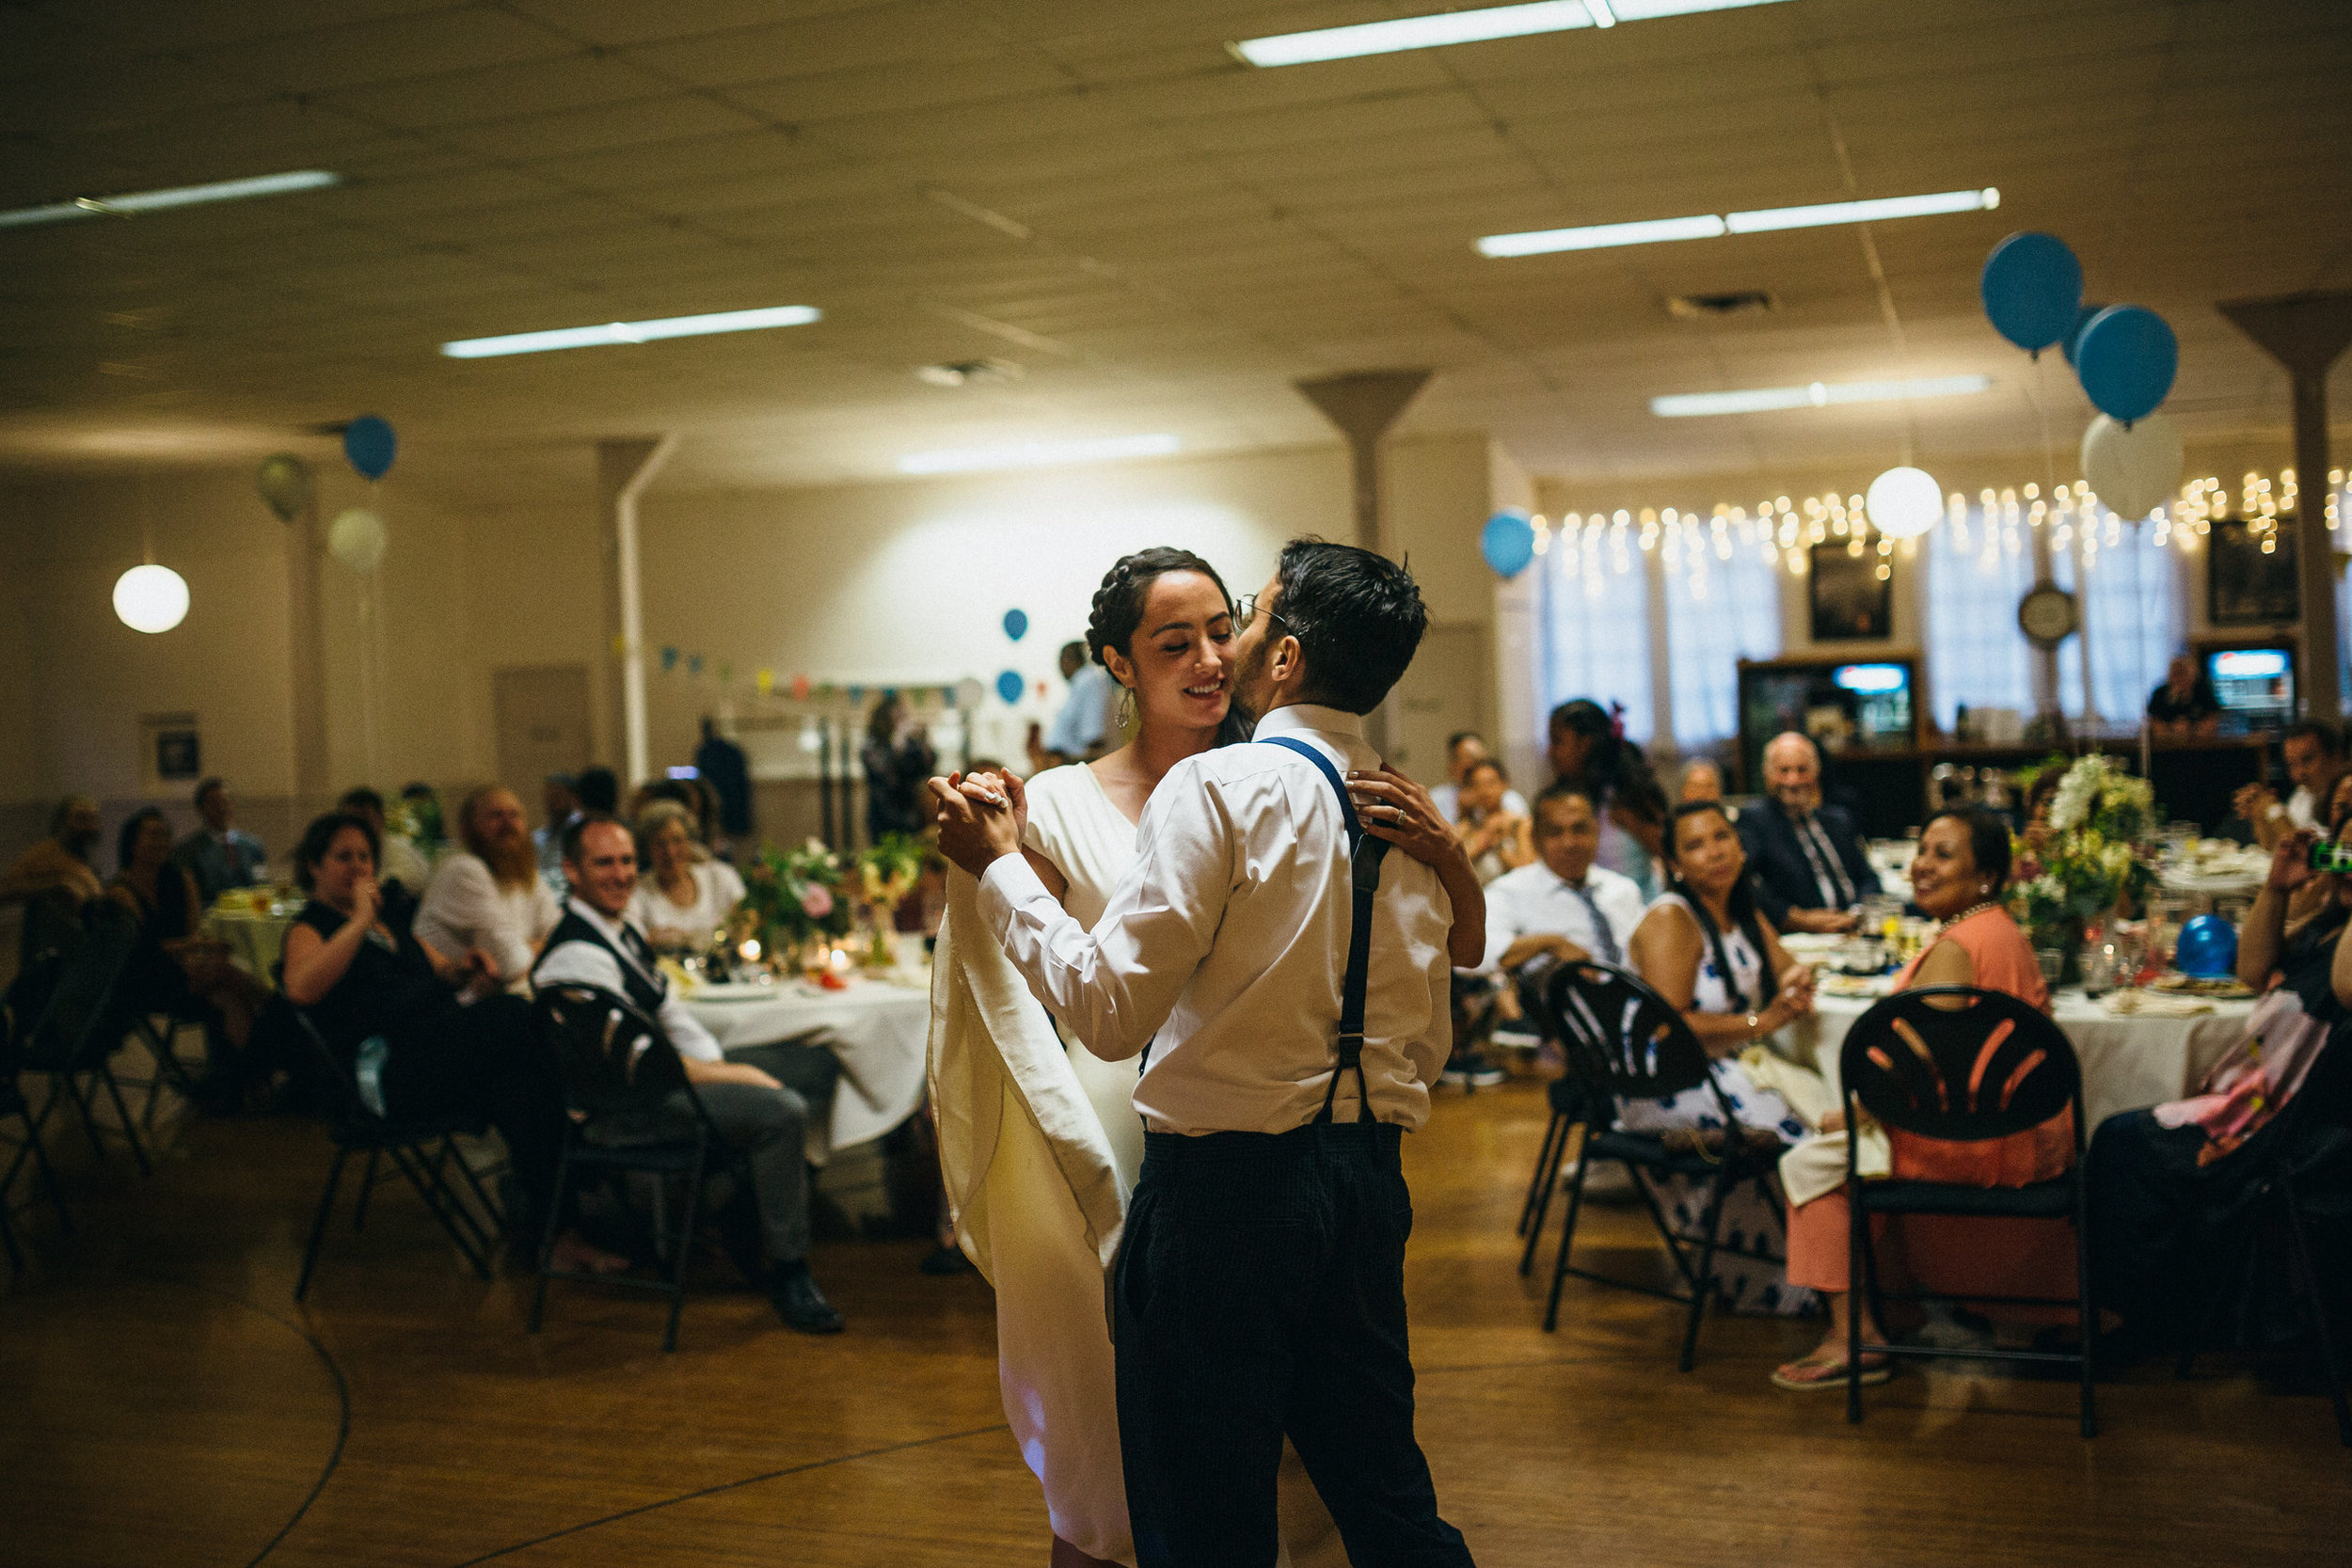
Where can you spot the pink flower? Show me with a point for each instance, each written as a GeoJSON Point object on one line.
{"type": "Point", "coordinates": [816, 902]}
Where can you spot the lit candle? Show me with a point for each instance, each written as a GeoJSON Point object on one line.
{"type": "Point", "coordinates": [749, 951]}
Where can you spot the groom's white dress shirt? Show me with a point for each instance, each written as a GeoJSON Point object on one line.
{"type": "Point", "coordinates": [1224, 946]}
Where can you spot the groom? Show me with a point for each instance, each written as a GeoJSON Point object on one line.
{"type": "Point", "coordinates": [1259, 1289]}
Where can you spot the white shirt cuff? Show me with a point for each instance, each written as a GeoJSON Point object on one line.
{"type": "Point", "coordinates": [1009, 882]}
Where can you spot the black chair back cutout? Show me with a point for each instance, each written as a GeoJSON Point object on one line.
{"type": "Point", "coordinates": [613, 1058]}
{"type": "Point", "coordinates": [1623, 1038]}
{"type": "Point", "coordinates": [80, 1003]}
{"type": "Point", "coordinates": [1988, 1067]}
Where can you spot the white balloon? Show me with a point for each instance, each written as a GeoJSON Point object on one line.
{"type": "Point", "coordinates": [151, 598]}
{"type": "Point", "coordinates": [2133, 472]}
{"type": "Point", "coordinates": [357, 538]}
{"type": "Point", "coordinates": [1904, 503]}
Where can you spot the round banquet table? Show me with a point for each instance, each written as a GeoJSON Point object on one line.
{"type": "Point", "coordinates": [877, 1028]}
{"type": "Point", "coordinates": [256, 939]}
{"type": "Point", "coordinates": [2130, 1061]}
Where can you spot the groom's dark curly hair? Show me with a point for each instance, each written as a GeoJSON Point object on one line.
{"type": "Point", "coordinates": [1358, 615]}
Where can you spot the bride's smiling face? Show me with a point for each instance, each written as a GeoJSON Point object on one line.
{"type": "Point", "coordinates": [1180, 662]}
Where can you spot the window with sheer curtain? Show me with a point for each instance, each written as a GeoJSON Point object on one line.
{"type": "Point", "coordinates": [1977, 656]}
{"type": "Point", "coordinates": [2130, 595]}
{"type": "Point", "coordinates": [1723, 605]}
{"type": "Point", "coordinates": [1595, 600]}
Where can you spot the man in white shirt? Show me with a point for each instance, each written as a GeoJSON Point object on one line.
{"type": "Point", "coordinates": [1464, 751]}
{"type": "Point", "coordinates": [489, 895]}
{"type": "Point", "coordinates": [761, 1119]}
{"type": "Point", "coordinates": [2313, 754]}
{"type": "Point", "coordinates": [1564, 904]}
{"type": "Point", "coordinates": [1258, 1289]}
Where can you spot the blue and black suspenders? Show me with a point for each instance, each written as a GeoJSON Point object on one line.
{"type": "Point", "coordinates": [1364, 856]}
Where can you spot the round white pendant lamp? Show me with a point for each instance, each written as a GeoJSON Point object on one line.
{"type": "Point", "coordinates": [151, 598]}
{"type": "Point", "coordinates": [1904, 503]}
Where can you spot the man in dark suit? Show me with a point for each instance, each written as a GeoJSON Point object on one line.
{"type": "Point", "coordinates": [1807, 860]}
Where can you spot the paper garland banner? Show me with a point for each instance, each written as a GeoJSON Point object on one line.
{"type": "Point", "coordinates": [693, 664]}
{"type": "Point", "coordinates": [766, 681]}
{"type": "Point", "coordinates": [669, 659]}
{"type": "Point", "coordinates": [799, 689]}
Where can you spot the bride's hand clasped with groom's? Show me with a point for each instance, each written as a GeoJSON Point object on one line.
{"type": "Point", "coordinates": [981, 817]}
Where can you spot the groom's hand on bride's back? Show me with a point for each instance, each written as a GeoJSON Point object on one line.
{"type": "Point", "coordinates": [980, 817]}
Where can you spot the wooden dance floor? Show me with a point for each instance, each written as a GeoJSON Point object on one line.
{"type": "Point", "coordinates": [163, 1401]}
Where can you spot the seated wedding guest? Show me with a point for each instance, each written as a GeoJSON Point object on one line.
{"type": "Point", "coordinates": [1811, 869]}
{"type": "Point", "coordinates": [488, 896]}
{"type": "Point", "coordinates": [1957, 878]}
{"type": "Point", "coordinates": [403, 867]}
{"type": "Point", "coordinates": [558, 806]}
{"type": "Point", "coordinates": [1563, 904]}
{"type": "Point", "coordinates": [387, 1006]}
{"type": "Point", "coordinates": [2313, 754]}
{"type": "Point", "coordinates": [2172, 1187]}
{"type": "Point", "coordinates": [1704, 947]}
{"type": "Point", "coordinates": [172, 967]}
{"type": "Point", "coordinates": [1588, 752]}
{"type": "Point", "coordinates": [2185, 706]}
{"type": "Point", "coordinates": [1702, 779]}
{"type": "Point", "coordinates": [1496, 838]}
{"type": "Point", "coordinates": [219, 854]}
{"type": "Point", "coordinates": [683, 896]}
{"type": "Point", "coordinates": [61, 863]}
{"type": "Point", "coordinates": [767, 1123]}
{"type": "Point", "coordinates": [599, 790]}
{"type": "Point", "coordinates": [1465, 750]}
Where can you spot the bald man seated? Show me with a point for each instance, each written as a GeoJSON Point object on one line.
{"type": "Point", "coordinates": [1807, 859]}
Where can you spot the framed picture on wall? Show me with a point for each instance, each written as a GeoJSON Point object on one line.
{"type": "Point", "coordinates": [2244, 587]}
{"type": "Point", "coordinates": [1852, 596]}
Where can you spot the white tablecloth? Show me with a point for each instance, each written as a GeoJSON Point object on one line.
{"type": "Point", "coordinates": [2129, 1063]}
{"type": "Point", "coordinates": [877, 1028]}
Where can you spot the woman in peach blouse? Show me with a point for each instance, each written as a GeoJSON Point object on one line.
{"type": "Point", "coordinates": [1961, 867]}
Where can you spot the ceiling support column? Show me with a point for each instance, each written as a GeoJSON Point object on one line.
{"type": "Point", "coordinates": [624, 468]}
{"type": "Point", "coordinates": [2306, 333]}
{"type": "Point", "coordinates": [306, 627]}
{"type": "Point", "coordinates": [1363, 404]}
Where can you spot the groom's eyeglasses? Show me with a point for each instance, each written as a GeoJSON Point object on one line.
{"type": "Point", "coordinates": [1246, 609]}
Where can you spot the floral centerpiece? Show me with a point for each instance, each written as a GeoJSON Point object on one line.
{"type": "Point", "coordinates": [2094, 857]}
{"type": "Point", "coordinates": [886, 874]}
{"type": "Point", "coordinates": [795, 897]}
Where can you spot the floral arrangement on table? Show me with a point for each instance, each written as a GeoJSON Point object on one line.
{"type": "Point", "coordinates": [2096, 856]}
{"type": "Point", "coordinates": [795, 897]}
{"type": "Point", "coordinates": [887, 872]}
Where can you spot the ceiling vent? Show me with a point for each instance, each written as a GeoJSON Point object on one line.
{"type": "Point", "coordinates": [1712, 307]}
{"type": "Point", "coordinates": [969, 372]}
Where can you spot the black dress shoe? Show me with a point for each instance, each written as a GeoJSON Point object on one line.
{"type": "Point", "coordinates": [800, 1303]}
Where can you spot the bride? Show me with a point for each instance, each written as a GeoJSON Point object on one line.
{"type": "Point", "coordinates": [1041, 1143]}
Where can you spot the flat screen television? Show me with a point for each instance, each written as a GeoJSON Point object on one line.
{"type": "Point", "coordinates": [1866, 705]}
{"type": "Point", "coordinates": [2254, 686]}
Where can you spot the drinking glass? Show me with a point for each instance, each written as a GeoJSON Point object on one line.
{"type": "Point", "coordinates": [2053, 964]}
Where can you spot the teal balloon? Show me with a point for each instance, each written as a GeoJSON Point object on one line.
{"type": "Point", "coordinates": [1508, 542]}
{"type": "Point", "coordinates": [1008, 685]}
{"type": "Point", "coordinates": [2126, 358]}
{"type": "Point", "coordinates": [371, 445]}
{"type": "Point", "coordinates": [1016, 625]}
{"type": "Point", "coordinates": [2074, 334]}
{"type": "Point", "coordinates": [2032, 289]}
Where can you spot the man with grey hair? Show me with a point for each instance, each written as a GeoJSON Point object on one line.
{"type": "Point", "coordinates": [1807, 860]}
{"type": "Point", "coordinates": [61, 861]}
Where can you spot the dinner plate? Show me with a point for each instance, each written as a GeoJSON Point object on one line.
{"type": "Point", "coordinates": [734, 990]}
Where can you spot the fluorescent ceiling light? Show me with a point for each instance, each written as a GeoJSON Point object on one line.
{"type": "Point", "coordinates": [179, 195]}
{"type": "Point", "coordinates": [1037, 454]}
{"type": "Point", "coordinates": [1598, 236]}
{"type": "Point", "coordinates": [1474, 26]}
{"type": "Point", "coordinates": [632, 332]}
{"type": "Point", "coordinates": [1763, 400]}
{"type": "Point", "coordinates": [1707, 225]}
{"type": "Point", "coordinates": [1863, 211]}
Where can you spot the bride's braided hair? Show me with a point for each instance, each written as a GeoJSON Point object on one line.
{"type": "Point", "coordinates": [1118, 610]}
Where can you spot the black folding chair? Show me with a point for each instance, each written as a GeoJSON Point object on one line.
{"type": "Point", "coordinates": [2306, 1173]}
{"type": "Point", "coordinates": [421, 1149]}
{"type": "Point", "coordinates": [26, 1145]}
{"type": "Point", "coordinates": [76, 1032]}
{"type": "Point", "coordinates": [620, 1073]}
{"type": "Point", "coordinates": [1963, 1065]}
{"type": "Point", "coordinates": [1623, 1040]}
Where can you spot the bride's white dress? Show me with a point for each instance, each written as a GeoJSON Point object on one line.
{"type": "Point", "coordinates": [1041, 1143]}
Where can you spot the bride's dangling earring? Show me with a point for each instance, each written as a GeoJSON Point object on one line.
{"type": "Point", "coordinates": [1126, 707]}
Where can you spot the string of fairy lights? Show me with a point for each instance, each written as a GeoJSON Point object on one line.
{"type": "Point", "coordinates": [1996, 523]}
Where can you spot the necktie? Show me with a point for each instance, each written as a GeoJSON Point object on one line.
{"type": "Point", "coordinates": [638, 950]}
{"type": "Point", "coordinates": [1827, 870]}
{"type": "Point", "coordinates": [1605, 938]}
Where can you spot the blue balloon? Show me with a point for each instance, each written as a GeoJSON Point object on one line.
{"type": "Point", "coordinates": [2032, 288]}
{"type": "Point", "coordinates": [2074, 334]}
{"type": "Point", "coordinates": [1016, 625]}
{"type": "Point", "coordinates": [1008, 685]}
{"type": "Point", "coordinates": [2126, 358]}
{"type": "Point", "coordinates": [1508, 542]}
{"type": "Point", "coordinates": [2207, 947]}
{"type": "Point", "coordinates": [371, 445]}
